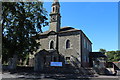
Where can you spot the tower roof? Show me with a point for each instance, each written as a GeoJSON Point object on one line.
{"type": "Point", "coordinates": [56, 2]}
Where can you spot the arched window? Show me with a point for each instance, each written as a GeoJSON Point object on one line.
{"type": "Point", "coordinates": [84, 43]}
{"type": "Point", "coordinates": [53, 9]}
{"type": "Point", "coordinates": [51, 45]}
{"type": "Point", "coordinates": [56, 9]}
{"type": "Point", "coordinates": [67, 44]}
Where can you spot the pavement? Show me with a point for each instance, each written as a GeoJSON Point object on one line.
{"type": "Point", "coordinates": [55, 76]}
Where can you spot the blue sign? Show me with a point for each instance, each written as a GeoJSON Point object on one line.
{"type": "Point", "coordinates": [56, 64]}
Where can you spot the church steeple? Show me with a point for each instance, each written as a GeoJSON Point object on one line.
{"type": "Point", "coordinates": [55, 16]}
{"type": "Point", "coordinates": [55, 1]}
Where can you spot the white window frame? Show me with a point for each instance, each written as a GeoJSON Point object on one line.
{"type": "Point", "coordinates": [66, 44]}
{"type": "Point", "coordinates": [53, 44]}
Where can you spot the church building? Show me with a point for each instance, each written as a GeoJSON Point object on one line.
{"type": "Point", "coordinates": [62, 44]}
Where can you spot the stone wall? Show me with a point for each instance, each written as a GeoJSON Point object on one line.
{"type": "Point", "coordinates": [77, 52]}
{"type": "Point", "coordinates": [45, 42]}
{"type": "Point", "coordinates": [74, 51]}
{"type": "Point", "coordinates": [86, 48]}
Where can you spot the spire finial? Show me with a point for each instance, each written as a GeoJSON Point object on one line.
{"type": "Point", "coordinates": [56, 1]}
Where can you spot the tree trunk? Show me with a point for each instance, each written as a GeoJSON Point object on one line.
{"type": "Point", "coordinates": [26, 60]}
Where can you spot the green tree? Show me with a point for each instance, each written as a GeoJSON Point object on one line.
{"type": "Point", "coordinates": [113, 56]}
{"type": "Point", "coordinates": [117, 55]}
{"type": "Point", "coordinates": [102, 51]}
{"type": "Point", "coordinates": [21, 21]}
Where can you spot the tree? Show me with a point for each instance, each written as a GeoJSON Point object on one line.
{"type": "Point", "coordinates": [110, 55]}
{"type": "Point", "coordinates": [20, 22]}
{"type": "Point", "coordinates": [102, 51]}
{"type": "Point", "coordinates": [117, 55]}
{"type": "Point", "coordinates": [113, 56]}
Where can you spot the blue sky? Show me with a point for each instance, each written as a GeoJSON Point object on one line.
{"type": "Point", "coordinates": [98, 20]}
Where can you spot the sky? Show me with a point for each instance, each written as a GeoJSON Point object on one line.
{"type": "Point", "coordinates": [98, 20]}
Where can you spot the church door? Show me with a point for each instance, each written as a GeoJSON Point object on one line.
{"type": "Point", "coordinates": [46, 60]}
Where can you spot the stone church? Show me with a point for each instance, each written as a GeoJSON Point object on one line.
{"type": "Point", "coordinates": [62, 44]}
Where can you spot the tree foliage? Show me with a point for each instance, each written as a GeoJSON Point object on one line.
{"type": "Point", "coordinates": [102, 51]}
{"type": "Point", "coordinates": [112, 56]}
{"type": "Point", "coordinates": [21, 21]}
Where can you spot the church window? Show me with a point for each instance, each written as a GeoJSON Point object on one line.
{"type": "Point", "coordinates": [67, 44]}
{"type": "Point", "coordinates": [84, 43]}
{"type": "Point", "coordinates": [56, 9]}
{"type": "Point", "coordinates": [87, 45]}
{"type": "Point", "coordinates": [51, 45]}
{"type": "Point", "coordinates": [85, 58]}
{"type": "Point", "coordinates": [53, 9]}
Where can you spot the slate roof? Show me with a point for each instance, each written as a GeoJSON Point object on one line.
{"type": "Point", "coordinates": [51, 51]}
{"type": "Point", "coordinates": [62, 29]}
{"type": "Point", "coordinates": [65, 30]}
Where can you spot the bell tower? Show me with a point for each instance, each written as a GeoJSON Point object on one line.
{"type": "Point", "coordinates": [55, 17]}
